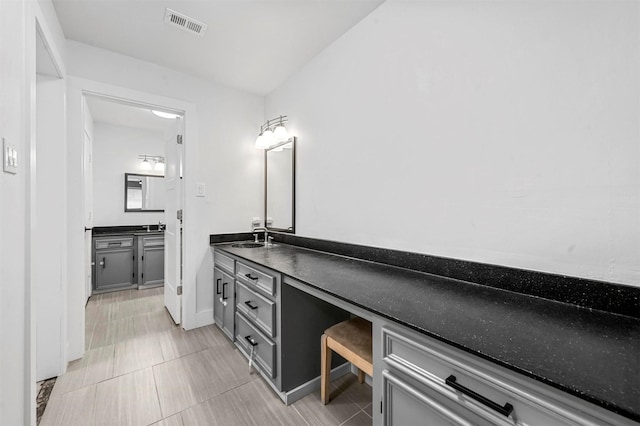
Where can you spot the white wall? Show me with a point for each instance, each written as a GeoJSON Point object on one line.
{"type": "Point", "coordinates": [115, 152]}
{"type": "Point", "coordinates": [17, 209]}
{"type": "Point", "coordinates": [13, 127]}
{"type": "Point", "coordinates": [224, 158]}
{"type": "Point", "coordinates": [499, 132]}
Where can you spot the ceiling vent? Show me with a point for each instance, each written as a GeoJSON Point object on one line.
{"type": "Point", "coordinates": [184, 22]}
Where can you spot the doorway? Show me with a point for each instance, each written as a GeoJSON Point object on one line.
{"type": "Point", "coordinates": [131, 138]}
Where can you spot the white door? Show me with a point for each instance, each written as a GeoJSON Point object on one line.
{"type": "Point", "coordinates": [88, 210]}
{"type": "Point", "coordinates": [173, 231]}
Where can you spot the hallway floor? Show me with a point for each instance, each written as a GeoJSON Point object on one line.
{"type": "Point", "coordinates": [141, 369]}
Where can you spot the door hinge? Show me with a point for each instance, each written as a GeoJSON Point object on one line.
{"type": "Point", "coordinates": [133, 258]}
{"type": "Point", "coordinates": [179, 290]}
{"type": "Point", "coordinates": [142, 275]}
{"type": "Point", "coordinates": [179, 139]}
{"type": "Point", "coordinates": [179, 215]}
{"type": "Point", "coordinates": [133, 274]}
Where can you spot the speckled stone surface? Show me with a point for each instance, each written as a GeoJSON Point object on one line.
{"type": "Point", "coordinates": [616, 298]}
{"type": "Point", "coordinates": [112, 230]}
{"type": "Point", "coordinates": [592, 354]}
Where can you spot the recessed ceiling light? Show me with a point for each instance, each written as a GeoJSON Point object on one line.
{"type": "Point", "coordinates": [163, 114]}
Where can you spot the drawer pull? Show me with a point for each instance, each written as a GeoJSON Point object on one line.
{"type": "Point", "coordinates": [251, 341]}
{"type": "Point", "coordinates": [224, 285]}
{"type": "Point", "coordinates": [218, 285]}
{"type": "Point", "coordinates": [251, 277]}
{"type": "Point", "coordinates": [505, 411]}
{"type": "Point", "coordinates": [248, 303]}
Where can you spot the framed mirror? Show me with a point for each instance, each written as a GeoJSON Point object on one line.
{"type": "Point", "coordinates": [280, 186]}
{"type": "Point", "coordinates": [143, 193]}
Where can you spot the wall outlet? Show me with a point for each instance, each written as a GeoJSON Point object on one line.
{"type": "Point", "coordinates": [256, 222]}
{"type": "Point", "coordinates": [9, 157]}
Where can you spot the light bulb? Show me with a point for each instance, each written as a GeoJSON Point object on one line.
{"type": "Point", "coordinates": [145, 165]}
{"type": "Point", "coordinates": [260, 142]}
{"type": "Point", "coordinates": [267, 138]}
{"type": "Point", "coordinates": [280, 134]}
{"type": "Point", "coordinates": [159, 167]}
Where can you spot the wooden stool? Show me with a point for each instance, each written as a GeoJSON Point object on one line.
{"type": "Point", "coordinates": [350, 339]}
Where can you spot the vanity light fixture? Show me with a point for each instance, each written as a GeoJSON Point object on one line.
{"type": "Point", "coordinates": [272, 132]}
{"type": "Point", "coordinates": [163, 114]}
{"type": "Point", "coordinates": [158, 161]}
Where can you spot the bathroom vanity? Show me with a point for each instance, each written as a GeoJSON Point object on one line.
{"type": "Point", "coordinates": [446, 350]}
{"type": "Point", "coordinates": [127, 257]}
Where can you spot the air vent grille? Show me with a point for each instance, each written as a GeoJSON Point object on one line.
{"type": "Point", "coordinates": [184, 22]}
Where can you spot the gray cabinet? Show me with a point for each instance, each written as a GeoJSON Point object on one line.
{"type": "Point", "coordinates": [150, 260]}
{"type": "Point", "coordinates": [278, 326]}
{"type": "Point", "coordinates": [419, 380]}
{"type": "Point", "coordinates": [224, 294]}
{"type": "Point", "coordinates": [123, 261]}
{"type": "Point", "coordinates": [114, 260]}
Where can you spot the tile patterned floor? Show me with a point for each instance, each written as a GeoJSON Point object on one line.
{"type": "Point", "coordinates": [141, 369]}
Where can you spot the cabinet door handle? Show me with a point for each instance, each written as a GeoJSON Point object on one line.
{"type": "Point", "coordinates": [248, 303]}
{"type": "Point", "coordinates": [251, 277]}
{"type": "Point", "coordinates": [218, 285]}
{"type": "Point", "coordinates": [104, 262]}
{"type": "Point", "coordinates": [224, 297]}
{"type": "Point", "coordinates": [505, 411]}
{"type": "Point", "coordinates": [251, 341]}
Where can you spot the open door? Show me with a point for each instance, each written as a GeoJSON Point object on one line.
{"type": "Point", "coordinates": [88, 202]}
{"type": "Point", "coordinates": [173, 220]}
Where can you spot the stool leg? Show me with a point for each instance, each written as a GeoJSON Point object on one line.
{"type": "Point", "coordinates": [360, 376]}
{"type": "Point", "coordinates": [325, 370]}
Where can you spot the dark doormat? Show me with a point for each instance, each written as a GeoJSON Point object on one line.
{"type": "Point", "coordinates": [44, 390]}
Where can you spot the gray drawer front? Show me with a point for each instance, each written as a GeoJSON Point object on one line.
{"type": "Point", "coordinates": [152, 241]}
{"type": "Point", "coordinates": [256, 279]}
{"type": "Point", "coordinates": [104, 243]}
{"type": "Point", "coordinates": [260, 310]}
{"type": "Point", "coordinates": [264, 349]}
{"type": "Point", "coordinates": [224, 262]}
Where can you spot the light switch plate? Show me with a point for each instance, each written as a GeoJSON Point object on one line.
{"type": "Point", "coordinates": [200, 189]}
{"type": "Point", "coordinates": [9, 157]}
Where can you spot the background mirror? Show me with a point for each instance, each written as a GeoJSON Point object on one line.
{"type": "Point", "coordinates": [280, 184]}
{"type": "Point", "coordinates": [143, 193]}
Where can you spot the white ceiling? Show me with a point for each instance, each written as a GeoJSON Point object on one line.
{"type": "Point", "coordinates": [105, 111]}
{"type": "Point", "coordinates": [252, 45]}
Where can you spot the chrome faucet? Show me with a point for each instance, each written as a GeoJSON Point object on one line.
{"type": "Point", "coordinates": [266, 233]}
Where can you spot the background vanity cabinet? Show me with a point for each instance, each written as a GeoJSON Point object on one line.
{"type": "Point", "coordinates": [114, 260]}
{"type": "Point", "coordinates": [150, 260]}
{"type": "Point", "coordinates": [122, 261]}
{"type": "Point", "coordinates": [224, 294]}
{"type": "Point", "coordinates": [419, 380]}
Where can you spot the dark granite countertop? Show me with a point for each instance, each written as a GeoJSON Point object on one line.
{"type": "Point", "coordinates": [592, 354]}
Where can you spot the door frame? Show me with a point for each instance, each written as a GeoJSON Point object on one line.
{"type": "Point", "coordinates": [77, 89]}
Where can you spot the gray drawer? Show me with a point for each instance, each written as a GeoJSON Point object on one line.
{"type": "Point", "coordinates": [260, 310]}
{"type": "Point", "coordinates": [115, 242]}
{"type": "Point", "coordinates": [223, 262]}
{"type": "Point", "coordinates": [256, 278]}
{"type": "Point", "coordinates": [152, 241]}
{"type": "Point", "coordinates": [264, 348]}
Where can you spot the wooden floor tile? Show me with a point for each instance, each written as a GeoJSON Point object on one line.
{"type": "Point", "coordinates": [177, 342]}
{"type": "Point", "coordinates": [72, 408]}
{"type": "Point", "coordinates": [182, 383]}
{"type": "Point", "coordinates": [128, 400]}
{"type": "Point", "coordinates": [265, 407]}
{"type": "Point", "coordinates": [136, 354]}
{"type": "Point", "coordinates": [222, 410]}
{"type": "Point", "coordinates": [175, 420]}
